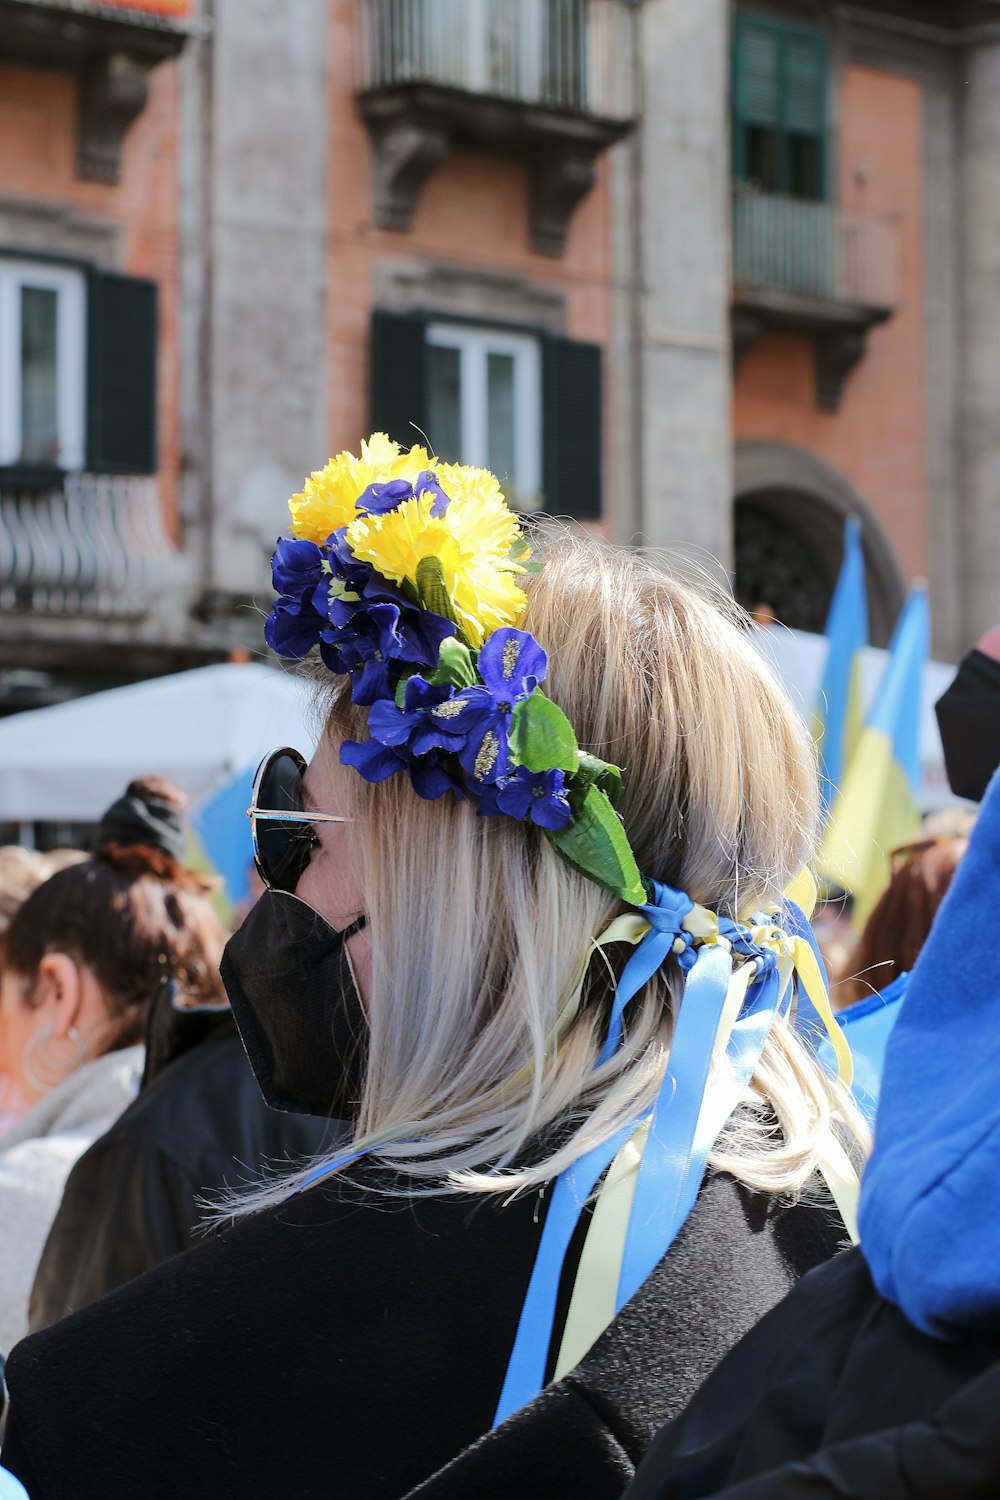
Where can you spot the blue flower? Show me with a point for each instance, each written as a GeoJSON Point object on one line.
{"type": "Point", "coordinates": [370, 626]}
{"type": "Point", "coordinates": [537, 795]}
{"type": "Point", "coordinates": [380, 499]}
{"type": "Point", "coordinates": [377, 762]}
{"type": "Point", "coordinates": [511, 665]}
{"type": "Point", "coordinates": [421, 725]}
{"type": "Point", "coordinates": [293, 627]}
{"type": "Point", "coordinates": [296, 567]}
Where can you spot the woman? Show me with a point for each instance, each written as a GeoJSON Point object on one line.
{"type": "Point", "coordinates": [21, 871]}
{"type": "Point", "coordinates": [81, 961]}
{"type": "Point", "coordinates": [457, 947]}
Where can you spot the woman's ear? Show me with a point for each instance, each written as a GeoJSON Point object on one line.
{"type": "Point", "coordinates": [59, 989]}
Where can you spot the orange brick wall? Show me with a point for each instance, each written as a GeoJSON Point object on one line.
{"type": "Point", "coordinates": [38, 160]}
{"type": "Point", "coordinates": [876, 440]}
{"type": "Point", "coordinates": [473, 210]}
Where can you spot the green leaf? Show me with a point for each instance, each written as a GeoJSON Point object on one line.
{"type": "Point", "coordinates": [592, 771]}
{"type": "Point", "coordinates": [541, 737]}
{"type": "Point", "coordinates": [596, 845]}
{"type": "Point", "coordinates": [401, 690]}
{"type": "Point", "coordinates": [455, 665]}
{"type": "Point", "coordinates": [520, 553]}
{"type": "Point", "coordinates": [433, 592]}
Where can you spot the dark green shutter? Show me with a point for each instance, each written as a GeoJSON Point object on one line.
{"type": "Point", "coordinates": [779, 83]}
{"type": "Point", "coordinates": [121, 374]}
{"type": "Point", "coordinates": [757, 73]}
{"type": "Point", "coordinates": [397, 376]}
{"type": "Point", "coordinates": [572, 412]}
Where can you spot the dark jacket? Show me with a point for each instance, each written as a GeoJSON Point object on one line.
{"type": "Point", "coordinates": [346, 1343]}
{"type": "Point", "coordinates": [835, 1396]}
{"type": "Point", "coordinates": [136, 1197]}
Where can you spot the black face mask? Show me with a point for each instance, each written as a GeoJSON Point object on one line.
{"type": "Point", "coordinates": [968, 716]}
{"type": "Point", "coordinates": [289, 982]}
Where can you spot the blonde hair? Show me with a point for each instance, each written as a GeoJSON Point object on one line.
{"type": "Point", "coordinates": [480, 933]}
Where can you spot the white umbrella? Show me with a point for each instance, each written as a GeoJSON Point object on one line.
{"type": "Point", "coordinates": [198, 729]}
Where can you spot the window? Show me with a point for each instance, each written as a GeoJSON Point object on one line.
{"type": "Point", "coordinates": [43, 353]}
{"type": "Point", "coordinates": [529, 405]}
{"type": "Point", "coordinates": [484, 401]}
{"type": "Point", "coordinates": [779, 107]}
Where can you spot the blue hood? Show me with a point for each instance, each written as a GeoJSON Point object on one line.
{"type": "Point", "coordinates": [930, 1200]}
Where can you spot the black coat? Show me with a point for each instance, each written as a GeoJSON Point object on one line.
{"type": "Point", "coordinates": [137, 1196]}
{"type": "Point", "coordinates": [350, 1344]}
{"type": "Point", "coordinates": [836, 1397]}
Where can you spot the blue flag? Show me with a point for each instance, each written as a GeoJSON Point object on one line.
{"type": "Point", "coordinates": [837, 726]}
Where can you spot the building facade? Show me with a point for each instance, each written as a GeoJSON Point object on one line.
{"type": "Point", "coordinates": [816, 290]}
{"type": "Point", "coordinates": [709, 274]}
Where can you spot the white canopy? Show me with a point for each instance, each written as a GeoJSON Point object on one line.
{"type": "Point", "coordinates": [201, 728]}
{"type": "Point", "coordinates": [198, 728]}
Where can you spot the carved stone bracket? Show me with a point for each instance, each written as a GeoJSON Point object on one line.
{"type": "Point", "coordinates": [838, 331]}
{"type": "Point", "coordinates": [113, 91]}
{"type": "Point", "coordinates": [413, 125]}
{"type": "Point", "coordinates": [109, 50]}
{"type": "Point", "coordinates": [559, 180]}
{"type": "Point", "coordinates": [406, 153]}
{"type": "Point", "coordinates": [835, 355]}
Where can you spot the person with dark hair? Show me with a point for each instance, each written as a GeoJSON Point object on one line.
{"type": "Point", "coordinates": [898, 926]}
{"type": "Point", "coordinates": [82, 959]}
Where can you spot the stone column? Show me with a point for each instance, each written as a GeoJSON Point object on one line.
{"type": "Point", "coordinates": [268, 243]}
{"type": "Point", "coordinates": [682, 204]}
{"type": "Point", "coordinates": [979, 375]}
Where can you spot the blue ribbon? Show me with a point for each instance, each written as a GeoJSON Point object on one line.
{"type": "Point", "coordinates": [683, 1126]}
{"type": "Point", "coordinates": [526, 1367]}
{"type": "Point", "coordinates": [664, 913]}
{"type": "Point", "coordinates": [809, 1024]}
{"type": "Point", "coordinates": [680, 1136]}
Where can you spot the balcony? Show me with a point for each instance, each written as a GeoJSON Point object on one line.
{"type": "Point", "coordinates": [110, 48]}
{"type": "Point", "coordinates": [549, 81]}
{"type": "Point", "coordinates": [809, 268]}
{"type": "Point", "coordinates": [92, 548]}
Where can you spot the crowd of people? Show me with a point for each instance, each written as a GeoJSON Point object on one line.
{"type": "Point", "coordinates": [496, 1151]}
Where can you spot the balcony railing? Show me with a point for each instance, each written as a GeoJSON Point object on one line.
{"type": "Point", "coordinates": [91, 547]}
{"type": "Point", "coordinates": [812, 250]}
{"type": "Point", "coordinates": [549, 82]}
{"type": "Point", "coordinates": [573, 55]}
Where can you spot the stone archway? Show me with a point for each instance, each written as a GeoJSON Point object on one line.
{"type": "Point", "coordinates": [788, 521]}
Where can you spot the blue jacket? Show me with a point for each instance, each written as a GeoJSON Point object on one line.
{"type": "Point", "coordinates": [930, 1215]}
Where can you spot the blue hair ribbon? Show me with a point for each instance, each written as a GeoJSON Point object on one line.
{"type": "Point", "coordinates": [690, 1110]}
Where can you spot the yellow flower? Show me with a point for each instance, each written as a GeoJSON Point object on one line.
{"type": "Point", "coordinates": [471, 540]}
{"type": "Point", "coordinates": [329, 495]}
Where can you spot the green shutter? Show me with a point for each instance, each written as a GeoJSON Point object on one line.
{"type": "Point", "coordinates": [758, 73]}
{"type": "Point", "coordinates": [396, 376]}
{"type": "Point", "coordinates": [121, 374]}
{"type": "Point", "coordinates": [804, 78]}
{"type": "Point", "coordinates": [572, 421]}
{"type": "Point", "coordinates": [778, 83]}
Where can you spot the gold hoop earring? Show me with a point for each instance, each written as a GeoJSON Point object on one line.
{"type": "Point", "coordinates": [42, 1072]}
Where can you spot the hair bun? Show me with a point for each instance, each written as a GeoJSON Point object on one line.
{"type": "Point", "coordinates": [150, 814]}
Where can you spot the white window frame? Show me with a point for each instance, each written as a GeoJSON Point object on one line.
{"type": "Point", "coordinates": [473, 345]}
{"type": "Point", "coordinates": [71, 356]}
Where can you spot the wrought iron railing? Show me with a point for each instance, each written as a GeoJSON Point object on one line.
{"type": "Point", "coordinates": [815, 249]}
{"type": "Point", "coordinates": [93, 546]}
{"type": "Point", "coordinates": [575, 55]}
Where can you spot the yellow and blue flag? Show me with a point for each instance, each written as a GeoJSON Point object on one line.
{"type": "Point", "coordinates": [837, 726]}
{"type": "Point", "coordinates": [877, 805]}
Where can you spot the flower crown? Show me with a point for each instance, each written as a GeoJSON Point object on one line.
{"type": "Point", "coordinates": [404, 571]}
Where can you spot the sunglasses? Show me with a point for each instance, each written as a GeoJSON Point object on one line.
{"type": "Point", "coordinates": [280, 826]}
